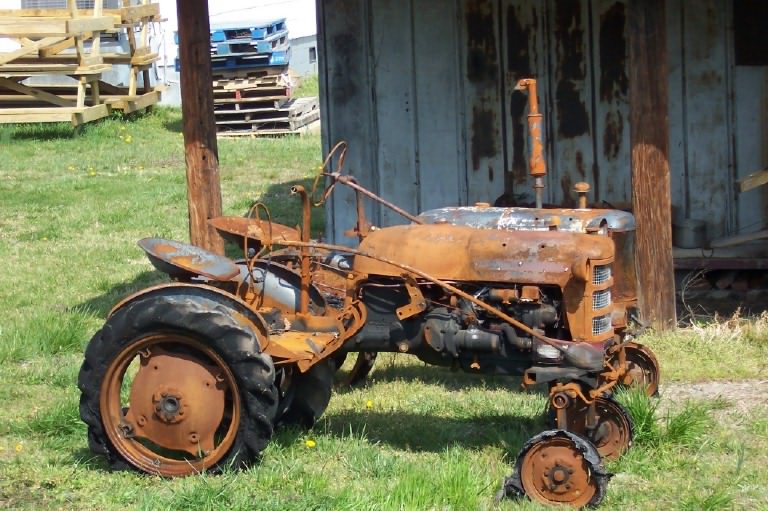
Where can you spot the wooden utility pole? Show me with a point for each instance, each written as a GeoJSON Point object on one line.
{"type": "Point", "coordinates": [201, 151]}
{"type": "Point", "coordinates": [649, 139]}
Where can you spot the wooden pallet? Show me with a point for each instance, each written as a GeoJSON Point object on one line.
{"type": "Point", "coordinates": [290, 116]}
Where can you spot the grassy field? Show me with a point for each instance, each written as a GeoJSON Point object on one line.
{"type": "Point", "coordinates": [71, 210]}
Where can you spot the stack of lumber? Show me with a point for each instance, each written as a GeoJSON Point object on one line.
{"type": "Point", "coordinates": [251, 86]}
{"type": "Point", "coordinates": [67, 43]}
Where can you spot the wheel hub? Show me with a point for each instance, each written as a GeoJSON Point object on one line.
{"type": "Point", "coordinates": [169, 406]}
{"type": "Point", "coordinates": [176, 402]}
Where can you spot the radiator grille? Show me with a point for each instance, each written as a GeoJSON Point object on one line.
{"type": "Point", "coordinates": [601, 324]}
{"type": "Point", "coordinates": [601, 299]}
{"type": "Point", "coordinates": [601, 274]}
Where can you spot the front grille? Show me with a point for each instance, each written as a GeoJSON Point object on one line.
{"type": "Point", "coordinates": [601, 274]}
{"type": "Point", "coordinates": [601, 299]}
{"type": "Point", "coordinates": [601, 324]}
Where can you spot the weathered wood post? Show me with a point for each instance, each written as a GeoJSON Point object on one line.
{"type": "Point", "coordinates": [649, 139]}
{"type": "Point", "coordinates": [201, 150]}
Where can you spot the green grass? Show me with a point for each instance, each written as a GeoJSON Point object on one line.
{"type": "Point", "coordinates": [71, 210]}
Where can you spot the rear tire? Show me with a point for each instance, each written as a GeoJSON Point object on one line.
{"type": "Point", "coordinates": [187, 323]}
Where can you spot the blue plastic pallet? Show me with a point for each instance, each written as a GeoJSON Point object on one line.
{"type": "Point", "coordinates": [221, 34]}
{"type": "Point", "coordinates": [275, 42]}
{"type": "Point", "coordinates": [276, 58]}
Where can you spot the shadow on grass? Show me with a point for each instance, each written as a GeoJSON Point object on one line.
{"type": "Point", "coordinates": [83, 457]}
{"type": "Point", "coordinates": [102, 304]}
{"type": "Point", "coordinates": [173, 125]}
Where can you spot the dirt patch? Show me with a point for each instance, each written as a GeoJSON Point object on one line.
{"type": "Point", "coordinates": [741, 397]}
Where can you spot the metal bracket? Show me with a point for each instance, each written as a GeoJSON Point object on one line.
{"type": "Point", "coordinates": [418, 303]}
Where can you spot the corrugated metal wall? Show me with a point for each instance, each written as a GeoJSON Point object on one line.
{"type": "Point", "coordinates": [424, 93]}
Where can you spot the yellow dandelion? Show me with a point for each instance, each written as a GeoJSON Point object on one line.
{"type": "Point", "coordinates": [45, 239]}
{"type": "Point", "coordinates": [122, 128]}
{"type": "Point", "coordinates": [369, 404]}
{"type": "Point", "coordinates": [128, 139]}
{"type": "Point", "coordinates": [141, 167]}
{"type": "Point", "coordinates": [70, 168]}
{"type": "Point", "coordinates": [19, 447]}
{"type": "Point", "coordinates": [92, 173]}
{"type": "Point", "coordinates": [311, 444]}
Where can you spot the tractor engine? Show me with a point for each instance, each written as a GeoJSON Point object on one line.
{"type": "Point", "coordinates": [557, 284]}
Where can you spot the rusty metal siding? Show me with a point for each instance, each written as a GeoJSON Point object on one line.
{"type": "Point", "coordinates": [424, 92]}
{"type": "Point", "coordinates": [481, 73]}
{"type": "Point", "coordinates": [439, 121]}
{"type": "Point", "coordinates": [701, 165]}
{"type": "Point", "coordinates": [347, 102]}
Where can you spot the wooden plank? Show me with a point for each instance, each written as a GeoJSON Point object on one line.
{"type": "Point", "coordinates": [89, 114]}
{"type": "Point", "coordinates": [481, 68]}
{"type": "Point", "coordinates": [133, 104]}
{"type": "Point", "coordinates": [35, 93]}
{"type": "Point", "coordinates": [739, 239]}
{"type": "Point", "coordinates": [43, 69]}
{"type": "Point", "coordinates": [200, 147]}
{"type": "Point", "coordinates": [753, 180]}
{"type": "Point", "coordinates": [347, 103]}
{"type": "Point", "coordinates": [649, 138]}
{"type": "Point", "coordinates": [90, 24]}
{"type": "Point", "coordinates": [439, 130]}
{"type": "Point", "coordinates": [27, 49]}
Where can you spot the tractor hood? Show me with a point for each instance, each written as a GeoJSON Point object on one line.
{"type": "Point", "coordinates": [531, 219]}
{"type": "Point", "coordinates": [458, 252]}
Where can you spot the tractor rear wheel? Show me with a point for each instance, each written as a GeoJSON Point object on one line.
{"type": "Point", "coordinates": [174, 385]}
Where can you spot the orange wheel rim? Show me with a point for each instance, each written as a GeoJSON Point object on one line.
{"type": "Point", "coordinates": [183, 405]}
{"type": "Point", "coordinates": [554, 471]}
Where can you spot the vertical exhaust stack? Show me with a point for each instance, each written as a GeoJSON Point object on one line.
{"type": "Point", "coordinates": [537, 163]}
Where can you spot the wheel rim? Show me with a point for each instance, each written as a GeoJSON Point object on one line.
{"type": "Point", "coordinates": [554, 471]}
{"type": "Point", "coordinates": [179, 413]}
{"type": "Point", "coordinates": [642, 368]}
{"type": "Point", "coordinates": [613, 435]}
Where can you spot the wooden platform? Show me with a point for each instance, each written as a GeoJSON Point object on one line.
{"type": "Point", "coordinates": [67, 42]}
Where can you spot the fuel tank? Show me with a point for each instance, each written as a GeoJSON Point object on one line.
{"type": "Point", "coordinates": [463, 253]}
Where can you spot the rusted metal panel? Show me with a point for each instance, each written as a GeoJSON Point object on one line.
{"type": "Point", "coordinates": [611, 141]}
{"type": "Point", "coordinates": [571, 99]}
{"type": "Point", "coordinates": [523, 47]}
{"type": "Point", "coordinates": [700, 129]}
{"type": "Point", "coordinates": [440, 156]}
{"type": "Point", "coordinates": [481, 73]}
{"type": "Point", "coordinates": [347, 93]}
{"type": "Point", "coordinates": [751, 142]}
{"type": "Point", "coordinates": [395, 107]}
{"type": "Point", "coordinates": [523, 36]}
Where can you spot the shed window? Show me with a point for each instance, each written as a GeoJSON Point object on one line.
{"type": "Point", "coordinates": [312, 55]}
{"type": "Point", "coordinates": [750, 25]}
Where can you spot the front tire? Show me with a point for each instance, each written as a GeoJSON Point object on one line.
{"type": "Point", "coordinates": [202, 397]}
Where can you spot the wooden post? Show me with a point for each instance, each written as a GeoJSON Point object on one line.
{"type": "Point", "coordinates": [649, 139]}
{"type": "Point", "coordinates": [201, 151]}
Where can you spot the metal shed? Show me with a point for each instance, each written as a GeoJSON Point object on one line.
{"type": "Point", "coordinates": [423, 92]}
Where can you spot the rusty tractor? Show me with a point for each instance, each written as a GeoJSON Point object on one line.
{"type": "Point", "coordinates": [196, 374]}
